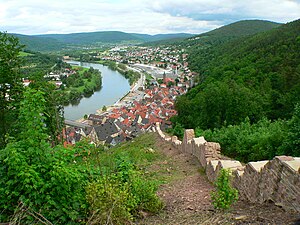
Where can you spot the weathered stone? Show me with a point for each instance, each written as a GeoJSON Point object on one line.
{"type": "Point", "coordinates": [211, 170]}
{"type": "Point", "coordinates": [189, 134]}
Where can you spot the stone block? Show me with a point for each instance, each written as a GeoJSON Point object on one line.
{"type": "Point", "coordinates": [211, 170]}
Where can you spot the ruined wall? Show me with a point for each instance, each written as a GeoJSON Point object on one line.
{"type": "Point", "coordinates": [277, 180]}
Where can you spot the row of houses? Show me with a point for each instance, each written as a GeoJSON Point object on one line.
{"type": "Point", "coordinates": [127, 122]}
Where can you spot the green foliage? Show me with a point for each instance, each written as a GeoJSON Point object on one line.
{"type": "Point", "coordinates": [84, 83]}
{"type": "Point", "coordinates": [253, 77]}
{"type": "Point", "coordinates": [225, 195]}
{"type": "Point", "coordinates": [42, 44]}
{"type": "Point", "coordinates": [121, 193]}
{"type": "Point", "coordinates": [291, 146]}
{"type": "Point", "coordinates": [213, 104]}
{"type": "Point", "coordinates": [53, 111]}
{"type": "Point", "coordinates": [33, 173]}
{"type": "Point", "coordinates": [261, 64]}
{"type": "Point", "coordinates": [110, 202]}
{"type": "Point", "coordinates": [249, 142]}
{"type": "Point", "coordinates": [39, 63]}
{"type": "Point", "coordinates": [177, 129]}
{"type": "Point", "coordinates": [11, 86]}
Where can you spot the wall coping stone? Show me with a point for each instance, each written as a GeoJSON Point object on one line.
{"type": "Point", "coordinates": [257, 166]}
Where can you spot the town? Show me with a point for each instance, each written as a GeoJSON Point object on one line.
{"type": "Point", "coordinates": [149, 102]}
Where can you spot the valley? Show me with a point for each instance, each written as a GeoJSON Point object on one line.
{"type": "Point", "coordinates": [155, 121]}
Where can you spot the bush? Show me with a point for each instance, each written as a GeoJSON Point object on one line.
{"type": "Point", "coordinates": [249, 142]}
{"type": "Point", "coordinates": [225, 195]}
{"type": "Point", "coordinates": [110, 201]}
{"type": "Point", "coordinates": [119, 197]}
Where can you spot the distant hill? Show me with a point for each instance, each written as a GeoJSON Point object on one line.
{"type": "Point", "coordinates": [41, 44]}
{"type": "Point", "coordinates": [111, 37]}
{"type": "Point", "coordinates": [160, 37]}
{"type": "Point", "coordinates": [54, 42]}
{"type": "Point", "coordinates": [93, 37]}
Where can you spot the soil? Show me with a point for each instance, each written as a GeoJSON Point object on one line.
{"type": "Point", "coordinates": [186, 195]}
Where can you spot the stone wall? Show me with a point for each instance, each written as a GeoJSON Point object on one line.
{"type": "Point", "coordinates": [277, 180]}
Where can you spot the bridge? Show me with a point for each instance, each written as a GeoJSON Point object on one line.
{"type": "Point", "coordinates": [76, 124]}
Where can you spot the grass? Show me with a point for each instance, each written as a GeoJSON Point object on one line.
{"type": "Point", "coordinates": [24, 54]}
{"type": "Point", "coordinates": [80, 69]}
{"type": "Point", "coordinates": [140, 151]}
{"type": "Point", "coordinates": [148, 77]}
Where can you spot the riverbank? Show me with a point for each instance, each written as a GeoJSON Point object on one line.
{"type": "Point", "coordinates": [132, 95]}
{"type": "Point", "coordinates": [114, 87]}
{"type": "Point", "coordinates": [83, 83]}
{"type": "Point", "coordinates": [131, 75]}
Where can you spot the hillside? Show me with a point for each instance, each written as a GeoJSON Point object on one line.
{"type": "Point", "coordinates": [219, 35]}
{"type": "Point", "coordinates": [41, 44]}
{"type": "Point", "coordinates": [241, 83]}
{"type": "Point", "coordinates": [231, 31]}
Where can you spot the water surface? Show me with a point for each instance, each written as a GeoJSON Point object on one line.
{"type": "Point", "coordinates": [114, 87]}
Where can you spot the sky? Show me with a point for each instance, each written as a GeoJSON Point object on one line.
{"type": "Point", "coordinates": [137, 16]}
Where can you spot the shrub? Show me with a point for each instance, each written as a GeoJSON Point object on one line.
{"type": "Point", "coordinates": [225, 195]}
{"type": "Point", "coordinates": [119, 197]}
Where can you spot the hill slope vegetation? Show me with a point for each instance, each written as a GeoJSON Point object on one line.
{"type": "Point", "coordinates": [220, 35]}
{"type": "Point", "coordinates": [253, 78]}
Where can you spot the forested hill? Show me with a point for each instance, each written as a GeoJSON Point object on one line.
{"type": "Point", "coordinates": [92, 37]}
{"type": "Point", "coordinates": [220, 35]}
{"type": "Point", "coordinates": [231, 31]}
{"type": "Point", "coordinates": [250, 78]}
{"type": "Point", "coordinates": [111, 37]}
{"type": "Point", "coordinates": [264, 69]}
{"type": "Point", "coordinates": [33, 43]}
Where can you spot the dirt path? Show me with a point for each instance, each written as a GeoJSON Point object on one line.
{"type": "Point", "coordinates": [186, 194]}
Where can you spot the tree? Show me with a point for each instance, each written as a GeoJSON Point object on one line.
{"type": "Point", "coordinates": [37, 176]}
{"type": "Point", "coordinates": [54, 113]}
{"type": "Point", "coordinates": [292, 144]}
{"type": "Point", "coordinates": [11, 87]}
{"type": "Point", "coordinates": [104, 108]}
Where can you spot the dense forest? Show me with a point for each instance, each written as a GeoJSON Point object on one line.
{"type": "Point", "coordinates": [247, 85]}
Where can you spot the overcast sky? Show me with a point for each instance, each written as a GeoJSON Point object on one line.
{"type": "Point", "coordinates": [139, 16]}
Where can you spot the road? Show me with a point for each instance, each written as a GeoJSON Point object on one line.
{"type": "Point", "coordinates": [76, 124]}
{"type": "Point", "coordinates": [154, 71]}
{"type": "Point", "coordinates": [141, 81]}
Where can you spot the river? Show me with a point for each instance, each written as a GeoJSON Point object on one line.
{"type": "Point", "coordinates": [114, 87]}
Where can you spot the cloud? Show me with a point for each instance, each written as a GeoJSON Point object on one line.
{"type": "Point", "coordinates": [139, 16]}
